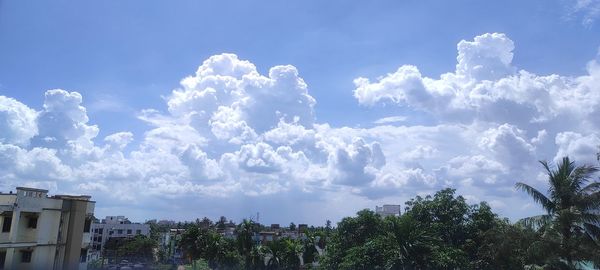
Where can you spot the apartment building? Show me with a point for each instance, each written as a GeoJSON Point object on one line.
{"type": "Point", "coordinates": [115, 227]}
{"type": "Point", "coordinates": [44, 232]}
{"type": "Point", "coordinates": [388, 210]}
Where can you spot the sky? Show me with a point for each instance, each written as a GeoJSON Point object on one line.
{"type": "Point", "coordinates": [302, 111]}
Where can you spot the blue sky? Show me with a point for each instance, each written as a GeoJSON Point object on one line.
{"type": "Point", "coordinates": [124, 57]}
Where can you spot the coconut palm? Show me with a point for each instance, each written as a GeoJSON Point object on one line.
{"type": "Point", "coordinates": [283, 254]}
{"type": "Point", "coordinates": [409, 243]}
{"type": "Point", "coordinates": [570, 225]}
{"type": "Point", "coordinates": [245, 234]}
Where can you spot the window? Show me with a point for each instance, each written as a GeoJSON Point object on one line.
{"type": "Point", "coordinates": [86, 225]}
{"type": "Point", "coordinates": [138, 231]}
{"type": "Point", "coordinates": [2, 259]}
{"type": "Point", "coordinates": [26, 256]}
{"type": "Point", "coordinates": [32, 224]}
{"type": "Point", "coordinates": [119, 231]}
{"type": "Point", "coordinates": [6, 224]}
{"type": "Point", "coordinates": [128, 231]}
{"type": "Point", "coordinates": [83, 255]}
{"type": "Point", "coordinates": [110, 233]}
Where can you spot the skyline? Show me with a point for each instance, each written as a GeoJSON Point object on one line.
{"type": "Point", "coordinates": [310, 112]}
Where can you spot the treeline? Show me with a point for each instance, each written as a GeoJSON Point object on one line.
{"type": "Point", "coordinates": [435, 232]}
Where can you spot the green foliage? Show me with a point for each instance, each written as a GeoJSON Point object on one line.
{"type": "Point", "coordinates": [435, 232]}
{"type": "Point", "coordinates": [569, 229]}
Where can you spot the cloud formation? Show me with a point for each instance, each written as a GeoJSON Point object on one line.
{"type": "Point", "coordinates": [232, 140]}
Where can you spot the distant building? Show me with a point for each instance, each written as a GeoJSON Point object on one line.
{"type": "Point", "coordinates": [302, 228]}
{"type": "Point", "coordinates": [44, 232]}
{"type": "Point", "coordinates": [169, 242]}
{"type": "Point", "coordinates": [115, 227]}
{"type": "Point", "coordinates": [388, 210]}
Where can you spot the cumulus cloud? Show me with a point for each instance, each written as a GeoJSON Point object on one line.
{"type": "Point", "coordinates": [577, 146]}
{"type": "Point", "coordinates": [17, 122]}
{"type": "Point", "coordinates": [505, 118]}
{"type": "Point", "coordinates": [229, 100]}
{"type": "Point", "coordinates": [356, 164]}
{"type": "Point", "coordinates": [485, 86]}
{"type": "Point", "coordinates": [232, 138]}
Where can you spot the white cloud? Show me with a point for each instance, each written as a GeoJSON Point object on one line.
{"type": "Point", "coordinates": [589, 10]}
{"type": "Point", "coordinates": [64, 121]}
{"type": "Point", "coordinates": [119, 140]}
{"type": "Point", "coordinates": [486, 87]}
{"type": "Point", "coordinates": [233, 139]}
{"type": "Point", "coordinates": [17, 122]}
{"type": "Point", "coordinates": [390, 119]}
{"type": "Point", "coordinates": [228, 99]}
{"type": "Point", "coordinates": [580, 148]}
{"type": "Point", "coordinates": [356, 164]}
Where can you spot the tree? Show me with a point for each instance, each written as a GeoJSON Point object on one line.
{"type": "Point", "coordinates": [355, 242]}
{"type": "Point", "coordinates": [292, 226]}
{"type": "Point", "coordinates": [570, 225]}
{"type": "Point", "coordinates": [446, 217]}
{"type": "Point", "coordinates": [140, 247]}
{"type": "Point", "coordinates": [189, 244]}
{"type": "Point", "coordinates": [221, 223]}
{"type": "Point", "coordinates": [283, 254]}
{"type": "Point", "coordinates": [205, 223]}
{"type": "Point", "coordinates": [409, 245]}
{"type": "Point", "coordinates": [245, 233]}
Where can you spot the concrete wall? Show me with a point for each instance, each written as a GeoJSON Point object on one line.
{"type": "Point", "coordinates": [48, 224]}
{"type": "Point", "coordinates": [77, 215]}
{"type": "Point", "coordinates": [7, 199]}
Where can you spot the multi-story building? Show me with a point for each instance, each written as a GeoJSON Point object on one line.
{"type": "Point", "coordinates": [115, 227]}
{"type": "Point", "coordinates": [44, 232]}
{"type": "Point", "coordinates": [169, 243]}
{"type": "Point", "coordinates": [388, 210]}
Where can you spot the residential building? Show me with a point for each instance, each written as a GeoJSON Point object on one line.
{"type": "Point", "coordinates": [169, 242]}
{"type": "Point", "coordinates": [388, 210]}
{"type": "Point", "coordinates": [115, 227]}
{"type": "Point", "coordinates": [44, 232]}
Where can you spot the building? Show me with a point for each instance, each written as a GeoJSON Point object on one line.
{"type": "Point", "coordinates": [114, 227]}
{"type": "Point", "coordinates": [169, 243]}
{"type": "Point", "coordinates": [44, 232]}
{"type": "Point", "coordinates": [388, 210]}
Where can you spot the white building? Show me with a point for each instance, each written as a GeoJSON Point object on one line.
{"type": "Point", "coordinates": [43, 232]}
{"type": "Point", "coordinates": [388, 210]}
{"type": "Point", "coordinates": [115, 227]}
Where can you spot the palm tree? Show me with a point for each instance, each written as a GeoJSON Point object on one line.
{"type": "Point", "coordinates": [245, 241]}
{"type": "Point", "coordinates": [283, 254]}
{"type": "Point", "coordinates": [409, 243]}
{"type": "Point", "coordinates": [570, 225]}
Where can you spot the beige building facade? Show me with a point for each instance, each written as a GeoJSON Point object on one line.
{"type": "Point", "coordinates": [44, 232]}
